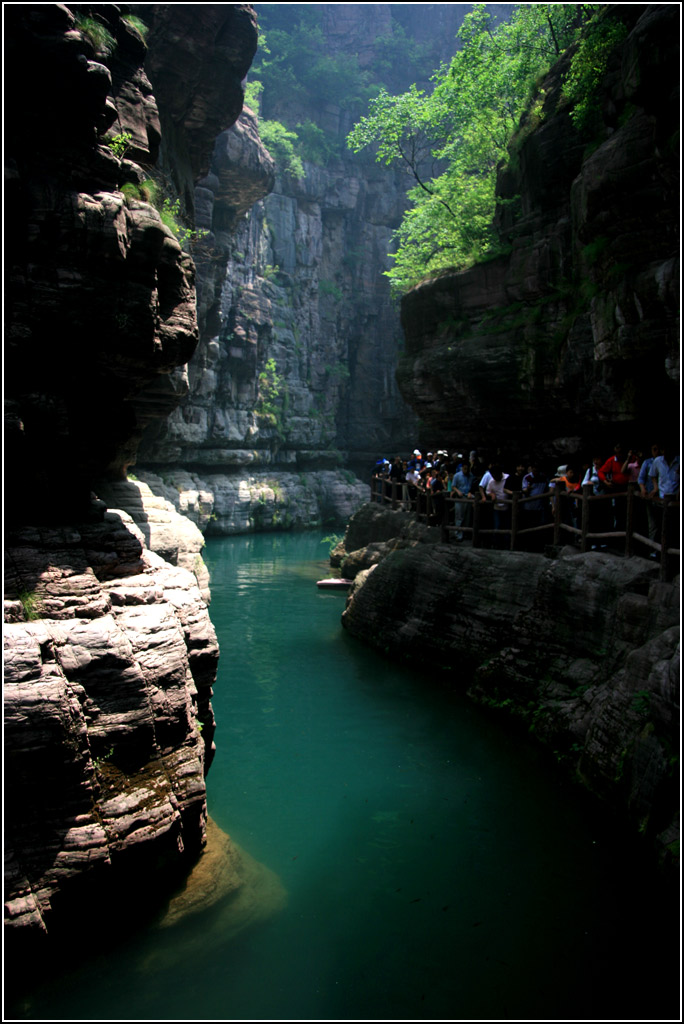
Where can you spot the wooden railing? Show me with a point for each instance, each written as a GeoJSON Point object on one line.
{"type": "Point", "coordinates": [563, 514]}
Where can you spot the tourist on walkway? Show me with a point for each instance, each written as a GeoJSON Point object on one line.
{"type": "Point", "coordinates": [614, 480]}
{"type": "Point", "coordinates": [460, 488]}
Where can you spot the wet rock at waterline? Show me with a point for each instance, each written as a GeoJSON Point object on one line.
{"type": "Point", "coordinates": [245, 502]}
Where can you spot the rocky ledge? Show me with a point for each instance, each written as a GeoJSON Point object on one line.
{"type": "Point", "coordinates": [110, 658]}
{"type": "Point", "coordinates": [244, 502]}
{"type": "Point", "coordinates": [169, 534]}
{"type": "Point", "coordinates": [583, 650]}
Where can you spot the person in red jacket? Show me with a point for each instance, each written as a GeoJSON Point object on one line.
{"type": "Point", "coordinates": [610, 473]}
{"type": "Point", "coordinates": [613, 479]}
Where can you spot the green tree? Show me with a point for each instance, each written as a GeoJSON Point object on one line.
{"type": "Point", "coordinates": [294, 76]}
{"type": "Point", "coordinates": [588, 66]}
{"type": "Point", "coordinates": [281, 142]}
{"type": "Point", "coordinates": [450, 141]}
{"type": "Point", "coordinates": [269, 406]}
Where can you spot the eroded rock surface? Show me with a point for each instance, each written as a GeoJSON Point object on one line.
{"type": "Point", "coordinates": [110, 653]}
{"type": "Point", "coordinates": [101, 299]}
{"type": "Point", "coordinates": [110, 657]}
{"type": "Point", "coordinates": [173, 536]}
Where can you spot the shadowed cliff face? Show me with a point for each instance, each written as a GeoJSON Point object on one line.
{"type": "Point", "coordinates": [101, 299]}
{"type": "Point", "coordinates": [110, 654]}
{"type": "Point", "coordinates": [572, 339]}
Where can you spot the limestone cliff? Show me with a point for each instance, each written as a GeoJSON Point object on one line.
{"type": "Point", "coordinates": [582, 651]}
{"type": "Point", "coordinates": [571, 341]}
{"type": "Point", "coordinates": [109, 650]}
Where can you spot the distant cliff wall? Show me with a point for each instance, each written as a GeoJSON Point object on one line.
{"type": "Point", "coordinates": [570, 342]}
{"type": "Point", "coordinates": [294, 376]}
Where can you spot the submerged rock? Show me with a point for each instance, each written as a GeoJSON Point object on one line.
{"type": "Point", "coordinates": [225, 873]}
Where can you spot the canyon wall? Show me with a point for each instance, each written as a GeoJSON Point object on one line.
{"type": "Point", "coordinates": [570, 341]}
{"type": "Point", "coordinates": [292, 392]}
{"type": "Point", "coordinates": [110, 654]}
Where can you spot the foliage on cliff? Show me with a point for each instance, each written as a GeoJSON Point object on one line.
{"type": "Point", "coordinates": [452, 140]}
{"type": "Point", "coordinates": [295, 70]}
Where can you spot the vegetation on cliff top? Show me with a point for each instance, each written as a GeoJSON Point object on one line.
{"type": "Point", "coordinates": [452, 139]}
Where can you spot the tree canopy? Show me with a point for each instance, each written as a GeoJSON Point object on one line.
{"type": "Point", "coordinates": [451, 140]}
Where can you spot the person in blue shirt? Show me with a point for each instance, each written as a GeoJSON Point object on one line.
{"type": "Point", "coordinates": [460, 488]}
{"type": "Point", "coordinates": [664, 474]}
{"type": "Point", "coordinates": [646, 487]}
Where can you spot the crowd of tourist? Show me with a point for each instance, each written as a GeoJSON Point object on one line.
{"type": "Point", "coordinates": [478, 477]}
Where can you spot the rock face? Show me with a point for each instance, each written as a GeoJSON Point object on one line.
{"type": "Point", "coordinates": [244, 501]}
{"type": "Point", "coordinates": [99, 289]}
{"type": "Point", "coordinates": [562, 345]}
{"type": "Point", "coordinates": [294, 371]}
{"type": "Point", "coordinates": [110, 658]}
{"type": "Point", "coordinates": [174, 537]}
{"type": "Point", "coordinates": [110, 653]}
{"type": "Point", "coordinates": [582, 649]}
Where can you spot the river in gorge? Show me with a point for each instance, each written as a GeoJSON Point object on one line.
{"type": "Point", "coordinates": [435, 864]}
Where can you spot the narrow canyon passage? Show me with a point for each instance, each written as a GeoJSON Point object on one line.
{"type": "Point", "coordinates": [436, 865]}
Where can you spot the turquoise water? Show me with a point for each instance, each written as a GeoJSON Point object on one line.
{"type": "Point", "coordinates": [436, 865]}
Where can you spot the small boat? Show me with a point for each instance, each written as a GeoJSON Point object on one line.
{"type": "Point", "coordinates": [334, 584]}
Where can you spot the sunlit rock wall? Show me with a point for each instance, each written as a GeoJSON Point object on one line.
{"type": "Point", "coordinates": [303, 292]}
{"type": "Point", "coordinates": [110, 657]}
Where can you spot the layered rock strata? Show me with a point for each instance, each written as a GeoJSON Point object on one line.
{"type": "Point", "coordinates": [564, 344]}
{"type": "Point", "coordinates": [110, 658]}
{"type": "Point", "coordinates": [176, 538]}
{"type": "Point", "coordinates": [298, 345]}
{"type": "Point", "coordinates": [101, 298]}
{"type": "Point", "coordinates": [582, 649]}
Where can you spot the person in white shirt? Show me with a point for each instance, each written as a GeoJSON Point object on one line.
{"type": "Point", "coordinates": [496, 491]}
